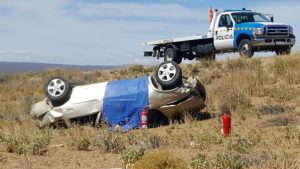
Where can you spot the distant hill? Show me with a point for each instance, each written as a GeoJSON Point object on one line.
{"type": "Point", "coordinates": [15, 67]}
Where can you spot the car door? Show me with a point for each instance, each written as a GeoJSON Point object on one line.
{"type": "Point", "coordinates": [223, 35]}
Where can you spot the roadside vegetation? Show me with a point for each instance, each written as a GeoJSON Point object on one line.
{"type": "Point", "coordinates": [263, 95]}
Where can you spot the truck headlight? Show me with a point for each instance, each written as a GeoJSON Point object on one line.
{"type": "Point", "coordinates": [291, 30]}
{"type": "Point", "coordinates": [258, 31]}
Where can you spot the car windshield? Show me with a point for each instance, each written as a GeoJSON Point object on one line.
{"type": "Point", "coordinates": [249, 17]}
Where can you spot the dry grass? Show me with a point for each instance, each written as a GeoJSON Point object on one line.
{"type": "Point", "coordinates": [262, 94]}
{"type": "Point", "coordinates": [160, 159]}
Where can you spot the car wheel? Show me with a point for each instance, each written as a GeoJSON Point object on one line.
{"type": "Point", "coordinates": [58, 90]}
{"type": "Point", "coordinates": [171, 55]}
{"type": "Point", "coordinates": [245, 48]}
{"type": "Point", "coordinates": [169, 75]}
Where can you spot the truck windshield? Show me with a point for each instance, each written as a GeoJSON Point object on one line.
{"type": "Point", "coordinates": [249, 17]}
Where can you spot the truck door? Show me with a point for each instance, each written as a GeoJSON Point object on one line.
{"type": "Point", "coordinates": [223, 33]}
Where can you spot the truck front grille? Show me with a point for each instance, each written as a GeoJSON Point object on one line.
{"type": "Point", "coordinates": [277, 31]}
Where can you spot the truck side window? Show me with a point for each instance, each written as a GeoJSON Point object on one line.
{"type": "Point", "coordinates": [225, 21]}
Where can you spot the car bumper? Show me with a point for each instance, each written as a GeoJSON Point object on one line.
{"type": "Point", "coordinates": [264, 41]}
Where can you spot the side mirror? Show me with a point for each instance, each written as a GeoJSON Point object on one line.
{"type": "Point", "coordinates": [272, 18]}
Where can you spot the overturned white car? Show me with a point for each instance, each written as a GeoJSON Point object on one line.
{"type": "Point", "coordinates": [121, 102]}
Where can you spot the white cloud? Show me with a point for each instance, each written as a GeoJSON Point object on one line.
{"type": "Point", "coordinates": [137, 10]}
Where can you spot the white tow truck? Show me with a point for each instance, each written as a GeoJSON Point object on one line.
{"type": "Point", "coordinates": [242, 31]}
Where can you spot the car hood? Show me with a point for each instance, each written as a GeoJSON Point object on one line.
{"type": "Point", "coordinates": [259, 24]}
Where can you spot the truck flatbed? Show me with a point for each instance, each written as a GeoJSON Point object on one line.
{"type": "Point", "coordinates": [174, 40]}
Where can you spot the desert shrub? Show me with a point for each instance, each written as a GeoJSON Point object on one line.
{"type": "Point", "coordinates": [244, 145]}
{"type": "Point", "coordinates": [282, 65]}
{"type": "Point", "coordinates": [136, 69]}
{"type": "Point", "coordinates": [134, 138]}
{"type": "Point", "coordinates": [80, 138]}
{"type": "Point", "coordinates": [110, 142]}
{"type": "Point", "coordinates": [129, 157]}
{"type": "Point", "coordinates": [199, 162]}
{"type": "Point", "coordinates": [154, 141]}
{"type": "Point", "coordinates": [282, 92]}
{"type": "Point", "coordinates": [242, 64]}
{"type": "Point", "coordinates": [87, 138]}
{"type": "Point", "coordinates": [292, 134]}
{"type": "Point", "coordinates": [29, 141]}
{"type": "Point", "coordinates": [287, 69]}
{"type": "Point", "coordinates": [228, 161]}
{"type": "Point", "coordinates": [241, 145]}
{"type": "Point", "coordinates": [161, 159]}
{"type": "Point", "coordinates": [236, 98]}
{"type": "Point", "coordinates": [146, 140]}
{"type": "Point", "coordinates": [81, 143]}
{"type": "Point", "coordinates": [3, 78]}
{"type": "Point", "coordinates": [206, 138]}
{"type": "Point", "coordinates": [254, 136]}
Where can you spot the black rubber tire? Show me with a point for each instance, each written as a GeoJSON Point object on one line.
{"type": "Point", "coordinates": [174, 81]}
{"type": "Point", "coordinates": [245, 52]}
{"type": "Point", "coordinates": [286, 51]}
{"type": "Point", "coordinates": [171, 55]}
{"type": "Point", "coordinates": [65, 94]}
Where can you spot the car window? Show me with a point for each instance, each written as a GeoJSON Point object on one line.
{"type": "Point", "coordinates": [249, 17]}
{"type": "Point", "coordinates": [225, 21]}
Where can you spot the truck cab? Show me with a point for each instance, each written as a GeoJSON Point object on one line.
{"type": "Point", "coordinates": [246, 32]}
{"type": "Point", "coordinates": [242, 31]}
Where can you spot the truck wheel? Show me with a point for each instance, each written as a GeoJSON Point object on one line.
{"type": "Point", "coordinates": [283, 51]}
{"type": "Point", "coordinates": [58, 90]}
{"type": "Point", "coordinates": [168, 75]}
{"type": "Point", "coordinates": [245, 48]}
{"type": "Point", "coordinates": [171, 55]}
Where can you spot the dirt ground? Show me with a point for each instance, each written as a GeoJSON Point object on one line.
{"type": "Point", "coordinates": [263, 95]}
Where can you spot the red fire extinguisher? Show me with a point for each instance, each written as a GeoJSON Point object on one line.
{"type": "Point", "coordinates": [144, 118]}
{"type": "Point", "coordinates": [226, 124]}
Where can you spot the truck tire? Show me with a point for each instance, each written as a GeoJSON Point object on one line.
{"type": "Point", "coordinates": [245, 48]}
{"type": "Point", "coordinates": [58, 90]}
{"type": "Point", "coordinates": [168, 75]}
{"type": "Point", "coordinates": [286, 51]}
{"type": "Point", "coordinates": [171, 55]}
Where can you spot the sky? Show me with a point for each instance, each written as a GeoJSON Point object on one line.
{"type": "Point", "coordinates": [102, 32]}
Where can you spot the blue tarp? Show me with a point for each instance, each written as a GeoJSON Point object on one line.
{"type": "Point", "coordinates": [123, 101]}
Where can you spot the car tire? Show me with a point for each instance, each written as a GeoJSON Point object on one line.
{"type": "Point", "coordinates": [168, 75]}
{"type": "Point", "coordinates": [171, 55]}
{"type": "Point", "coordinates": [58, 90]}
{"type": "Point", "coordinates": [245, 48]}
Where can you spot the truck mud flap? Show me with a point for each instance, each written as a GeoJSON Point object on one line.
{"type": "Point", "coordinates": [148, 53]}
